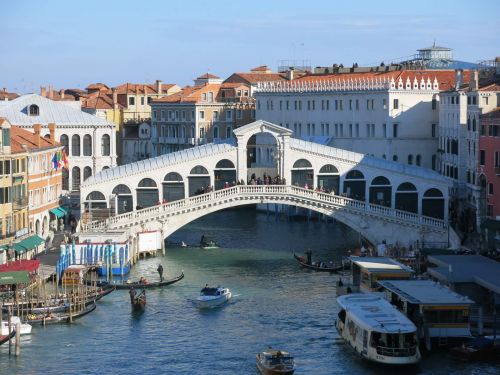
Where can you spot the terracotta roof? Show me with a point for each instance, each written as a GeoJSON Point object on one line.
{"type": "Point", "coordinates": [207, 76]}
{"type": "Point", "coordinates": [262, 68]}
{"type": "Point", "coordinates": [97, 86]}
{"type": "Point", "coordinates": [21, 136]}
{"type": "Point", "coordinates": [253, 78]}
{"type": "Point", "coordinates": [190, 94]}
{"type": "Point", "coordinates": [99, 100]}
{"type": "Point", "coordinates": [445, 78]}
{"type": "Point", "coordinates": [7, 95]}
{"type": "Point", "coordinates": [140, 88]}
{"type": "Point", "coordinates": [490, 87]}
{"type": "Point", "coordinates": [494, 114]}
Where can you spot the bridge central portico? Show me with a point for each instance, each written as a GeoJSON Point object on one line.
{"type": "Point", "coordinates": [379, 198]}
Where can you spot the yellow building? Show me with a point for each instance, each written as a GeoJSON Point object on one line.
{"type": "Point", "coordinates": [6, 229]}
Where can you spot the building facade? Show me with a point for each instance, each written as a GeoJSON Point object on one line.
{"type": "Point", "coordinates": [88, 141]}
{"type": "Point", "coordinates": [460, 155]}
{"type": "Point", "coordinates": [387, 112]}
{"type": "Point", "coordinates": [7, 232]}
{"type": "Point", "coordinates": [44, 177]}
{"type": "Point", "coordinates": [206, 112]}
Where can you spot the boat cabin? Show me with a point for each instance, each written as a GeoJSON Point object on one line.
{"type": "Point", "coordinates": [366, 272]}
{"type": "Point", "coordinates": [271, 358]}
{"type": "Point", "coordinates": [437, 311]}
{"type": "Point", "coordinates": [73, 275]}
{"type": "Point", "coordinates": [376, 329]}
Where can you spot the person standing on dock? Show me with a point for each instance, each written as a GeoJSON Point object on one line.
{"type": "Point", "coordinates": [160, 271]}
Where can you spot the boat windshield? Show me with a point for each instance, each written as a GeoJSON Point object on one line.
{"type": "Point", "coordinates": [394, 344]}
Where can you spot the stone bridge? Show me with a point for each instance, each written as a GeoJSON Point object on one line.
{"type": "Point", "coordinates": [381, 199]}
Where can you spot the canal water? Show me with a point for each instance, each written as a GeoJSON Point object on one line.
{"type": "Point", "coordinates": [275, 304]}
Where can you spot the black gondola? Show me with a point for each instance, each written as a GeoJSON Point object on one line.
{"type": "Point", "coordinates": [58, 318]}
{"type": "Point", "coordinates": [5, 338]}
{"type": "Point", "coordinates": [139, 302]}
{"type": "Point", "coordinates": [302, 261]}
{"type": "Point", "coordinates": [137, 285]}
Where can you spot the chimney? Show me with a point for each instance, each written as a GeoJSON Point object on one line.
{"type": "Point", "coordinates": [61, 93]}
{"type": "Point", "coordinates": [37, 128]}
{"type": "Point", "coordinates": [52, 130]}
{"type": "Point", "coordinates": [115, 98]}
{"type": "Point", "coordinates": [474, 80]}
{"type": "Point", "coordinates": [459, 73]}
{"type": "Point", "coordinates": [51, 92]}
{"type": "Point", "coordinates": [158, 86]}
{"type": "Point", "coordinates": [43, 92]}
{"type": "Point", "coordinates": [289, 74]}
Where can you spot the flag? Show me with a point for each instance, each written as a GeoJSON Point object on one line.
{"type": "Point", "coordinates": [55, 162]}
{"type": "Point", "coordinates": [64, 158]}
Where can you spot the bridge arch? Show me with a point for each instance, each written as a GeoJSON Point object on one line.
{"type": "Point", "coordinates": [329, 178]}
{"type": "Point", "coordinates": [198, 180]}
{"type": "Point", "coordinates": [303, 173]}
{"type": "Point", "coordinates": [173, 187]}
{"type": "Point", "coordinates": [124, 198]}
{"type": "Point", "coordinates": [407, 197]}
{"type": "Point", "coordinates": [381, 191]}
{"type": "Point", "coordinates": [433, 204]}
{"type": "Point", "coordinates": [355, 185]}
{"type": "Point", "coordinates": [224, 172]}
{"type": "Point", "coordinates": [147, 193]}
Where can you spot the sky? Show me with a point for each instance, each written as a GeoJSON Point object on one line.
{"type": "Point", "coordinates": [70, 44]}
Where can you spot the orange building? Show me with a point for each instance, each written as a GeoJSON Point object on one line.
{"type": "Point", "coordinates": [44, 178]}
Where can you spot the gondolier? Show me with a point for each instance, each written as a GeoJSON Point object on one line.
{"type": "Point", "coordinates": [132, 294]}
{"type": "Point", "coordinates": [160, 271]}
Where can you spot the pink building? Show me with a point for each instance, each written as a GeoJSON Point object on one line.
{"type": "Point", "coordinates": [489, 160]}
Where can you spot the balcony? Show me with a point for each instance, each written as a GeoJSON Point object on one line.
{"type": "Point", "coordinates": [497, 171]}
{"type": "Point", "coordinates": [19, 203]}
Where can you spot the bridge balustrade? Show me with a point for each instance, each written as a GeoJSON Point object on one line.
{"type": "Point", "coordinates": [286, 192]}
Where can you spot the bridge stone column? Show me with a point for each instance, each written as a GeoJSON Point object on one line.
{"type": "Point", "coordinates": [241, 167]}
{"type": "Point", "coordinates": [286, 158]}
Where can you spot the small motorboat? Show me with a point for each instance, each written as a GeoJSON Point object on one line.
{"type": "Point", "coordinates": [208, 243]}
{"type": "Point", "coordinates": [485, 348]}
{"type": "Point", "coordinates": [275, 362]}
{"type": "Point", "coordinates": [213, 297]}
{"type": "Point", "coordinates": [4, 326]}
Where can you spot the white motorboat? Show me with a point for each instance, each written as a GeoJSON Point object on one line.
{"type": "Point", "coordinates": [213, 297]}
{"type": "Point", "coordinates": [376, 330]}
{"type": "Point", "coordinates": [4, 327]}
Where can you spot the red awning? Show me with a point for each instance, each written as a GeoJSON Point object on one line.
{"type": "Point", "coordinates": [20, 265]}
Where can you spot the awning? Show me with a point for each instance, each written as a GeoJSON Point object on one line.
{"type": "Point", "coordinates": [65, 210]}
{"type": "Point", "coordinates": [4, 247]}
{"type": "Point", "coordinates": [15, 277]}
{"type": "Point", "coordinates": [58, 212]}
{"type": "Point", "coordinates": [27, 244]}
{"type": "Point", "coordinates": [20, 265]}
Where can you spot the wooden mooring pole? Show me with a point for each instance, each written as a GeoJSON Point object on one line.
{"type": "Point", "coordinates": [18, 339]}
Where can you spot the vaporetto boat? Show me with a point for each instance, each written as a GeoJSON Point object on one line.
{"type": "Point", "coordinates": [376, 330]}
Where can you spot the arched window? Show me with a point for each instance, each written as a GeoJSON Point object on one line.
{"type": "Point", "coordinates": [65, 179]}
{"type": "Point", "coordinates": [75, 145]}
{"type": "Point", "coordinates": [216, 132]}
{"type": "Point", "coordinates": [199, 170]}
{"type": "Point", "coordinates": [381, 191]}
{"type": "Point", "coordinates": [96, 196]}
{"type": "Point", "coordinates": [224, 163]}
{"type": "Point", "coordinates": [75, 176]}
{"type": "Point", "coordinates": [394, 158]}
{"type": "Point", "coordinates": [121, 189]}
{"type": "Point", "coordinates": [302, 163]}
{"type": "Point", "coordinates": [105, 145]}
{"type": "Point", "coordinates": [328, 168]}
{"type": "Point", "coordinates": [87, 172]}
{"type": "Point", "coordinates": [433, 204]}
{"type": "Point", "coordinates": [147, 183]}
{"type": "Point", "coordinates": [418, 160]}
{"type": "Point", "coordinates": [433, 193]}
{"type": "Point", "coordinates": [173, 177]}
{"type": "Point", "coordinates": [34, 110]}
{"type": "Point", "coordinates": [380, 180]}
{"type": "Point", "coordinates": [407, 186]}
{"type": "Point", "coordinates": [65, 142]}
{"type": "Point", "coordinates": [410, 159]}
{"type": "Point", "coordinates": [87, 145]}
{"type": "Point", "coordinates": [354, 175]}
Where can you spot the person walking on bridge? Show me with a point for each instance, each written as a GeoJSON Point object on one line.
{"type": "Point", "coordinates": [160, 271]}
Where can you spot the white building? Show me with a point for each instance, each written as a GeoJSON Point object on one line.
{"type": "Point", "coordinates": [136, 143]}
{"type": "Point", "coordinates": [459, 133]}
{"type": "Point", "coordinates": [385, 112]}
{"type": "Point", "coordinates": [89, 141]}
